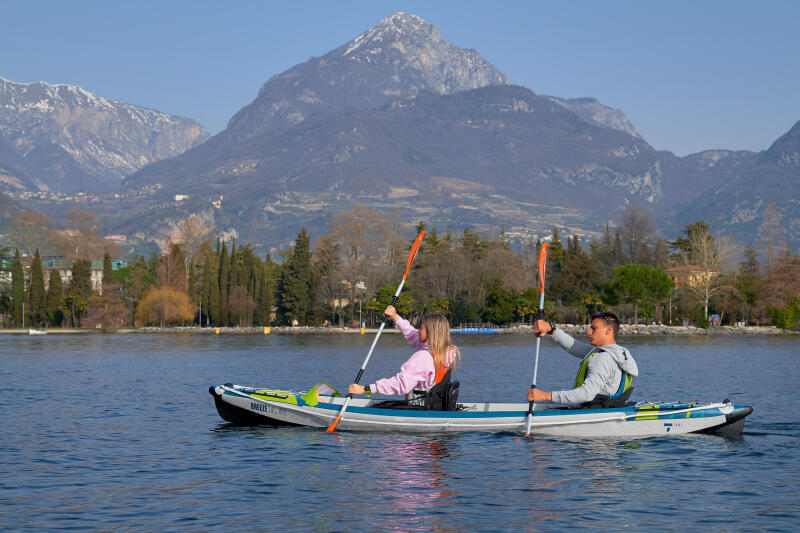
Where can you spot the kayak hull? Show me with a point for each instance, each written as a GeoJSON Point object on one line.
{"type": "Point", "coordinates": [245, 406]}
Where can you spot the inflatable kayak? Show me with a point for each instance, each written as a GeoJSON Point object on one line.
{"type": "Point", "coordinates": [319, 407]}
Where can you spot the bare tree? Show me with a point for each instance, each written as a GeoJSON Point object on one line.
{"type": "Point", "coordinates": [708, 258]}
{"type": "Point", "coordinates": [362, 237]}
{"type": "Point", "coordinates": [30, 231]}
{"type": "Point", "coordinates": [772, 235]}
{"type": "Point", "coordinates": [637, 233]}
{"type": "Point", "coordinates": [190, 233]}
{"type": "Point", "coordinates": [81, 238]}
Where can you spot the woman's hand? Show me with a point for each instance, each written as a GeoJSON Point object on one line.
{"type": "Point", "coordinates": [355, 388]}
{"type": "Point", "coordinates": [391, 312]}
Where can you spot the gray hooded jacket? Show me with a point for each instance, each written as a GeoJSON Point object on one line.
{"type": "Point", "coordinates": [603, 373]}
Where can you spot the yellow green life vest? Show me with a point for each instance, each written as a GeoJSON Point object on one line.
{"type": "Point", "coordinates": [625, 382]}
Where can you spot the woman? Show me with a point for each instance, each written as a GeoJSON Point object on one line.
{"type": "Point", "coordinates": [434, 356]}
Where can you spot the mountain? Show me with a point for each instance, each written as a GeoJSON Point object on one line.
{"type": "Point", "coordinates": [398, 57]}
{"type": "Point", "coordinates": [480, 158]}
{"type": "Point", "coordinates": [400, 119]}
{"type": "Point", "coordinates": [593, 112]}
{"type": "Point", "coordinates": [736, 206]}
{"type": "Point", "coordinates": [63, 138]}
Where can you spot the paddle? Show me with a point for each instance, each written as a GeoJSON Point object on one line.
{"type": "Point", "coordinates": [542, 268]}
{"type": "Point", "coordinates": [411, 256]}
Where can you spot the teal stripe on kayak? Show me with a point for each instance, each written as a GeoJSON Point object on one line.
{"type": "Point", "coordinates": [469, 414]}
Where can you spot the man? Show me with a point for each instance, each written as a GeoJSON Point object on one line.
{"type": "Point", "coordinates": [606, 370]}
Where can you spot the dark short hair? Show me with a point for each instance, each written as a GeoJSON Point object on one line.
{"type": "Point", "coordinates": [609, 319]}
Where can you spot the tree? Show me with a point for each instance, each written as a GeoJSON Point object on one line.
{"type": "Point", "coordinates": [637, 283]}
{"type": "Point", "coordinates": [55, 295]}
{"type": "Point", "coordinates": [105, 311]}
{"type": "Point", "coordinates": [17, 288]}
{"type": "Point", "coordinates": [241, 306]}
{"type": "Point", "coordinates": [266, 289]}
{"type": "Point", "coordinates": [108, 279]}
{"type": "Point", "coordinates": [501, 305]}
{"type": "Point", "coordinates": [81, 239]}
{"type": "Point", "coordinates": [637, 233]}
{"type": "Point", "coordinates": [708, 257]}
{"type": "Point", "coordinates": [38, 298]}
{"type": "Point", "coordinates": [224, 279]}
{"type": "Point", "coordinates": [749, 282]}
{"type": "Point", "coordinates": [164, 306]}
{"type": "Point", "coordinates": [31, 231]}
{"type": "Point", "coordinates": [772, 235]}
{"type": "Point", "coordinates": [296, 286]}
{"type": "Point", "coordinates": [80, 289]}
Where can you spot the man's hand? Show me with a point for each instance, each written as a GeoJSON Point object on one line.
{"type": "Point", "coordinates": [536, 395]}
{"type": "Point", "coordinates": [391, 312]}
{"type": "Point", "coordinates": [542, 326]}
{"type": "Point", "coordinates": [355, 388]}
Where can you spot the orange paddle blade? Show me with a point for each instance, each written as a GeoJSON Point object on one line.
{"type": "Point", "coordinates": [542, 264]}
{"type": "Point", "coordinates": [335, 423]}
{"type": "Point", "coordinates": [414, 249]}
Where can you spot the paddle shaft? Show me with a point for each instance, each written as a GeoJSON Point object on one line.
{"type": "Point", "coordinates": [540, 316]}
{"type": "Point", "coordinates": [366, 359]}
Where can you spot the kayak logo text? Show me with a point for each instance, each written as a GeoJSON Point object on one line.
{"type": "Point", "coordinates": [267, 408]}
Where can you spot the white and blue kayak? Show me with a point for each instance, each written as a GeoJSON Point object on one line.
{"type": "Point", "coordinates": [319, 406]}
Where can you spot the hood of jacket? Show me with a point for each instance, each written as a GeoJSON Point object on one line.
{"type": "Point", "coordinates": [622, 357]}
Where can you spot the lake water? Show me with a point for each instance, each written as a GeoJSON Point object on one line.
{"type": "Point", "coordinates": [118, 432]}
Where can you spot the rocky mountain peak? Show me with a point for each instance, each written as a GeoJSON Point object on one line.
{"type": "Point", "coordinates": [65, 138]}
{"type": "Point", "coordinates": [394, 28]}
{"type": "Point", "coordinates": [397, 58]}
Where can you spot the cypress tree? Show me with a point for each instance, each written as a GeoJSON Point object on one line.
{"type": "Point", "coordinates": [55, 293]}
{"type": "Point", "coordinates": [17, 288]}
{"type": "Point", "coordinates": [617, 257]}
{"type": "Point", "coordinates": [235, 273]}
{"type": "Point", "coordinates": [556, 253]}
{"type": "Point", "coordinates": [296, 288]}
{"type": "Point", "coordinates": [107, 276]}
{"type": "Point", "coordinates": [205, 291]}
{"type": "Point", "coordinates": [80, 288]}
{"type": "Point", "coordinates": [264, 309]}
{"type": "Point", "coordinates": [224, 279]}
{"type": "Point", "coordinates": [38, 298]}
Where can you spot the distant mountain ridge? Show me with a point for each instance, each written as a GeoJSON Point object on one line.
{"type": "Point", "coordinates": [405, 122]}
{"type": "Point", "coordinates": [401, 120]}
{"type": "Point", "coordinates": [735, 207]}
{"type": "Point", "coordinates": [64, 138]}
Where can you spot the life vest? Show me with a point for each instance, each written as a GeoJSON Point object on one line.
{"type": "Point", "coordinates": [441, 396]}
{"type": "Point", "coordinates": [624, 384]}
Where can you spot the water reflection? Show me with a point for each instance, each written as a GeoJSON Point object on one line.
{"type": "Point", "coordinates": [413, 477]}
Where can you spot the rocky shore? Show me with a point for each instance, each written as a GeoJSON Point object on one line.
{"type": "Point", "coordinates": [642, 329]}
{"type": "Point", "coordinates": [572, 329]}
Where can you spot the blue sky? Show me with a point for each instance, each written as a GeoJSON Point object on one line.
{"type": "Point", "coordinates": [690, 75]}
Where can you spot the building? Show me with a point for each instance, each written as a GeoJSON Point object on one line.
{"type": "Point", "coordinates": [64, 268]}
{"type": "Point", "coordinates": [690, 275]}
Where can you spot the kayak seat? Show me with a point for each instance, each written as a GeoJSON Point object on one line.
{"type": "Point", "coordinates": [441, 397]}
{"type": "Point", "coordinates": [604, 402]}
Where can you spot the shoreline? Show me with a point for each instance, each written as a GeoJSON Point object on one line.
{"type": "Point", "coordinates": [625, 330]}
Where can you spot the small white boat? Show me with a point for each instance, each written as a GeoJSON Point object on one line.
{"type": "Point", "coordinates": [320, 406]}
{"type": "Point", "coordinates": [36, 332]}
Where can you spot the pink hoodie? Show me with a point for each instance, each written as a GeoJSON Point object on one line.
{"type": "Point", "coordinates": [417, 372]}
